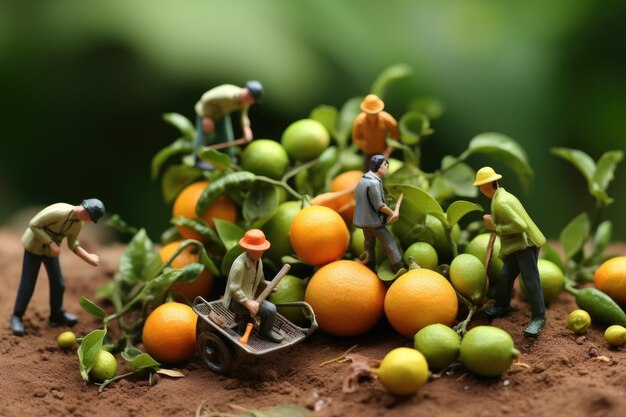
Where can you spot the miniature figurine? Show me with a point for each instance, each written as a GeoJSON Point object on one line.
{"type": "Point", "coordinates": [371, 129]}
{"type": "Point", "coordinates": [520, 240]}
{"type": "Point", "coordinates": [244, 278]}
{"type": "Point", "coordinates": [213, 124]}
{"type": "Point", "coordinates": [41, 242]}
{"type": "Point", "coordinates": [372, 213]}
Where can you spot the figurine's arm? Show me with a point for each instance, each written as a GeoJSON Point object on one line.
{"type": "Point", "coordinates": [235, 279]}
{"type": "Point", "coordinates": [247, 134]}
{"type": "Point", "coordinates": [90, 258]}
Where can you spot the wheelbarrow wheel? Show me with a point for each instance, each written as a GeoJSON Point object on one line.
{"type": "Point", "coordinates": [214, 353]}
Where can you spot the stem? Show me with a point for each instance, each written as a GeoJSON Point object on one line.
{"type": "Point", "coordinates": [279, 184]}
{"type": "Point", "coordinates": [569, 287]}
{"type": "Point", "coordinates": [116, 378]}
{"type": "Point", "coordinates": [461, 328]}
{"type": "Point", "coordinates": [452, 243]}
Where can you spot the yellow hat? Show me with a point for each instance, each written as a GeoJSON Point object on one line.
{"type": "Point", "coordinates": [372, 104]}
{"type": "Point", "coordinates": [486, 175]}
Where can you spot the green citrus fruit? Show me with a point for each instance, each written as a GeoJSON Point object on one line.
{"type": "Point", "coordinates": [423, 253]}
{"type": "Point", "coordinates": [290, 289]}
{"type": "Point", "coordinates": [615, 335]}
{"type": "Point", "coordinates": [552, 280]}
{"type": "Point", "coordinates": [578, 321]}
{"type": "Point", "coordinates": [487, 351]}
{"type": "Point", "coordinates": [439, 344]}
{"type": "Point", "coordinates": [265, 157]}
{"type": "Point", "coordinates": [468, 276]}
{"type": "Point", "coordinates": [403, 371]}
{"type": "Point", "coordinates": [104, 368]}
{"type": "Point", "coordinates": [394, 165]}
{"type": "Point", "coordinates": [66, 340]}
{"type": "Point", "coordinates": [277, 230]}
{"type": "Point", "coordinates": [440, 242]}
{"type": "Point", "coordinates": [305, 139]}
{"type": "Point", "coordinates": [357, 242]}
{"type": "Point", "coordinates": [478, 248]}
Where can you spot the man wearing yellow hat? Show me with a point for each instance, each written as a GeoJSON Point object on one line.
{"type": "Point", "coordinates": [371, 129]}
{"type": "Point", "coordinates": [244, 278]}
{"type": "Point", "coordinates": [520, 241]}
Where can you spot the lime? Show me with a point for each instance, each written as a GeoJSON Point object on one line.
{"type": "Point", "coordinates": [423, 253]}
{"type": "Point", "coordinates": [403, 371]}
{"type": "Point", "coordinates": [487, 351]}
{"type": "Point", "coordinates": [104, 368]}
{"type": "Point", "coordinates": [305, 139]}
{"type": "Point", "coordinates": [265, 157]}
{"type": "Point", "coordinates": [552, 280]}
{"type": "Point", "coordinates": [290, 289]}
{"type": "Point", "coordinates": [468, 276]}
{"type": "Point", "coordinates": [357, 242]}
{"type": "Point", "coordinates": [66, 340]}
{"type": "Point", "coordinates": [439, 344]}
{"type": "Point", "coordinates": [277, 230]}
{"type": "Point", "coordinates": [478, 248]}
{"type": "Point", "coordinates": [440, 242]}
{"type": "Point", "coordinates": [615, 335]}
{"type": "Point", "coordinates": [579, 321]}
{"type": "Point", "coordinates": [394, 165]}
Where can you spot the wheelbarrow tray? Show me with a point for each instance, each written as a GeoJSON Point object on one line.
{"type": "Point", "coordinates": [256, 345]}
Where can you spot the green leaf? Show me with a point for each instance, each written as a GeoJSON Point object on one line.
{"type": "Point", "coordinates": [603, 175]}
{"type": "Point", "coordinates": [139, 262]}
{"type": "Point", "coordinates": [408, 174]}
{"type": "Point", "coordinates": [459, 209]}
{"type": "Point", "coordinates": [181, 145]}
{"type": "Point", "coordinates": [318, 173]}
{"type": "Point", "coordinates": [116, 222]}
{"type": "Point", "coordinates": [139, 360]}
{"type": "Point", "coordinates": [550, 254]}
{"type": "Point", "coordinates": [176, 178]}
{"type": "Point", "coordinates": [88, 351]}
{"type": "Point", "coordinates": [388, 76]}
{"type": "Point", "coordinates": [417, 203]}
{"type": "Point", "coordinates": [229, 233]}
{"type": "Point", "coordinates": [431, 107]}
{"type": "Point", "coordinates": [91, 308]}
{"type": "Point", "coordinates": [230, 182]}
{"type": "Point", "coordinates": [583, 162]}
{"type": "Point", "coordinates": [413, 126]}
{"type": "Point", "coordinates": [503, 149]}
{"type": "Point", "coordinates": [181, 123]}
{"type": "Point", "coordinates": [197, 225]}
{"type": "Point", "coordinates": [261, 204]}
{"type": "Point", "coordinates": [217, 159]}
{"type": "Point", "coordinates": [190, 272]}
{"type": "Point", "coordinates": [155, 289]}
{"type": "Point", "coordinates": [229, 258]}
{"type": "Point", "coordinates": [458, 176]}
{"type": "Point", "coordinates": [348, 113]}
{"type": "Point", "coordinates": [169, 235]}
{"type": "Point", "coordinates": [574, 235]}
{"type": "Point", "coordinates": [601, 238]}
{"type": "Point", "coordinates": [326, 115]}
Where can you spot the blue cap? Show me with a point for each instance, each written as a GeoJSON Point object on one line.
{"type": "Point", "coordinates": [94, 207]}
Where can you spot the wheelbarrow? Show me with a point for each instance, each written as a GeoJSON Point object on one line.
{"type": "Point", "coordinates": [219, 344]}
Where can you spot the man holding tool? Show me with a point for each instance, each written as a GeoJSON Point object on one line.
{"type": "Point", "coordinates": [244, 278]}
{"type": "Point", "coordinates": [520, 241]}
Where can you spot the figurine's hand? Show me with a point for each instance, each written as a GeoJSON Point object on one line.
{"type": "Point", "coordinates": [489, 222]}
{"type": "Point", "coordinates": [55, 250]}
{"type": "Point", "coordinates": [207, 125]}
{"type": "Point", "coordinates": [394, 217]}
{"type": "Point", "coordinates": [92, 259]}
{"type": "Point", "coordinates": [252, 306]}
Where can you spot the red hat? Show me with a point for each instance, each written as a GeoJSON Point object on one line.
{"type": "Point", "coordinates": [254, 239]}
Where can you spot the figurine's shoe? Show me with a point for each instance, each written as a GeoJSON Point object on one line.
{"type": "Point", "coordinates": [63, 319]}
{"type": "Point", "coordinates": [17, 327]}
{"type": "Point", "coordinates": [496, 311]}
{"type": "Point", "coordinates": [273, 336]}
{"type": "Point", "coordinates": [534, 327]}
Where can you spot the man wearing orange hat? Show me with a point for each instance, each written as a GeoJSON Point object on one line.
{"type": "Point", "coordinates": [371, 129]}
{"type": "Point", "coordinates": [244, 278]}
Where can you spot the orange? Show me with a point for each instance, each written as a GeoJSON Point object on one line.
{"type": "Point", "coordinates": [185, 205]}
{"type": "Point", "coordinates": [202, 285]}
{"type": "Point", "coordinates": [347, 298]}
{"type": "Point", "coordinates": [346, 181]}
{"type": "Point", "coordinates": [319, 235]}
{"type": "Point", "coordinates": [611, 278]}
{"type": "Point", "coordinates": [419, 298]}
{"type": "Point", "coordinates": [169, 334]}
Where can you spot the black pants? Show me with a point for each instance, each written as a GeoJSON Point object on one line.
{"type": "Point", "coordinates": [267, 314]}
{"type": "Point", "coordinates": [525, 262]}
{"type": "Point", "coordinates": [30, 269]}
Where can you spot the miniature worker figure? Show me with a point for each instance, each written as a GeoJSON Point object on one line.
{"type": "Point", "coordinates": [41, 242]}
{"type": "Point", "coordinates": [520, 240]}
{"type": "Point", "coordinates": [244, 278]}
{"type": "Point", "coordinates": [372, 214]}
{"type": "Point", "coordinates": [371, 129]}
{"type": "Point", "coordinates": [213, 124]}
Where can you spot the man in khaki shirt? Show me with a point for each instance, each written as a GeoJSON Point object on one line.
{"type": "Point", "coordinates": [41, 243]}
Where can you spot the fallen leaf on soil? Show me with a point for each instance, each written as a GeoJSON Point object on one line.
{"type": "Point", "coordinates": [339, 359]}
{"type": "Point", "coordinates": [602, 359]}
{"type": "Point", "coordinates": [277, 411]}
{"type": "Point", "coordinates": [361, 367]}
{"type": "Point", "coordinates": [171, 373]}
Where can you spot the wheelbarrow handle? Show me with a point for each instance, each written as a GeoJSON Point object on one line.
{"type": "Point", "coordinates": [310, 314]}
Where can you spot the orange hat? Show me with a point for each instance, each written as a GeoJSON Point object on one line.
{"type": "Point", "coordinates": [254, 239]}
{"type": "Point", "coordinates": [372, 104]}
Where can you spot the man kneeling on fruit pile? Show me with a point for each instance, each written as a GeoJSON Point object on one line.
{"type": "Point", "coordinates": [244, 278]}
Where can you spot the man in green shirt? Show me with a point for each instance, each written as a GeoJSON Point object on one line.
{"type": "Point", "coordinates": [41, 243]}
{"type": "Point", "coordinates": [520, 240]}
{"type": "Point", "coordinates": [213, 124]}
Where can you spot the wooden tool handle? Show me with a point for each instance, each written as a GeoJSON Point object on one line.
{"type": "Point", "coordinates": [268, 290]}
{"type": "Point", "coordinates": [246, 336]}
{"type": "Point", "coordinates": [399, 202]}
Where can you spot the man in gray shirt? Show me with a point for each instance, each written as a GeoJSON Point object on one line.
{"type": "Point", "coordinates": [372, 213]}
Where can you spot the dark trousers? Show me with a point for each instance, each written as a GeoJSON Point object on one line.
{"type": "Point", "coordinates": [267, 314]}
{"type": "Point", "coordinates": [30, 269]}
{"type": "Point", "coordinates": [388, 242]}
{"type": "Point", "coordinates": [525, 262]}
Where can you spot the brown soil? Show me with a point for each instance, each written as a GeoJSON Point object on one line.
{"type": "Point", "coordinates": [560, 374]}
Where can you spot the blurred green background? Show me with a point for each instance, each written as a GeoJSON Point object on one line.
{"type": "Point", "coordinates": [84, 85]}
